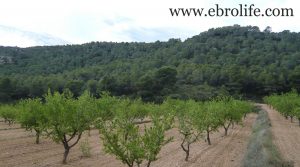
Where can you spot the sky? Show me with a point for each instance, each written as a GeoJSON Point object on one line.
{"type": "Point", "coordinates": [82, 21]}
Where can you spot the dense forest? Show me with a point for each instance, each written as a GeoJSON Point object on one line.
{"type": "Point", "coordinates": [234, 60]}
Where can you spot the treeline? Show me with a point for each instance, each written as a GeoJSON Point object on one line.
{"type": "Point", "coordinates": [131, 130]}
{"type": "Point", "coordinates": [288, 104]}
{"type": "Point", "coordinates": [230, 60]}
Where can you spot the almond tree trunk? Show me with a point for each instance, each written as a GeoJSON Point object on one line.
{"type": "Point", "coordinates": [67, 147]}
{"type": "Point", "coordinates": [207, 136]}
{"type": "Point", "coordinates": [37, 136]}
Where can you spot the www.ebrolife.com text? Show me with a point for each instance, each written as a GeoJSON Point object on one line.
{"type": "Point", "coordinates": [242, 10]}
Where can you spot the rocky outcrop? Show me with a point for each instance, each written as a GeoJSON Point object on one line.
{"type": "Point", "coordinates": [6, 60]}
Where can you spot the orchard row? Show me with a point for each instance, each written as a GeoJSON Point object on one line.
{"type": "Point", "coordinates": [131, 130]}
{"type": "Point", "coordinates": [287, 104]}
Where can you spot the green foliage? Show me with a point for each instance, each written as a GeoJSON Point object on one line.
{"type": "Point", "coordinates": [154, 136]}
{"type": "Point", "coordinates": [121, 139]}
{"type": "Point", "coordinates": [208, 112]}
{"type": "Point", "coordinates": [64, 118]}
{"type": "Point", "coordinates": [75, 87]}
{"type": "Point", "coordinates": [129, 141]}
{"type": "Point", "coordinates": [287, 104]}
{"type": "Point", "coordinates": [85, 148]}
{"type": "Point", "coordinates": [193, 118]}
{"type": "Point", "coordinates": [187, 122]}
{"type": "Point", "coordinates": [7, 90]}
{"type": "Point", "coordinates": [235, 60]}
{"type": "Point", "coordinates": [155, 87]}
{"type": "Point", "coordinates": [32, 116]}
{"type": "Point", "coordinates": [106, 107]}
{"type": "Point", "coordinates": [232, 111]}
{"type": "Point", "coordinates": [68, 118]}
{"type": "Point", "coordinates": [9, 113]}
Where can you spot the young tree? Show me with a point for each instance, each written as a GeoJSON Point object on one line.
{"type": "Point", "coordinates": [32, 116]}
{"type": "Point", "coordinates": [186, 119]}
{"type": "Point", "coordinates": [210, 118]}
{"type": "Point", "coordinates": [139, 110]}
{"type": "Point", "coordinates": [67, 118]}
{"type": "Point", "coordinates": [121, 139]}
{"type": "Point", "coordinates": [9, 113]}
{"type": "Point", "coordinates": [284, 103]}
{"type": "Point", "coordinates": [105, 107]}
{"type": "Point", "coordinates": [230, 111]}
{"type": "Point", "coordinates": [130, 142]}
{"type": "Point", "coordinates": [154, 135]}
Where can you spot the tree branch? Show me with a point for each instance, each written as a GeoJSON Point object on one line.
{"type": "Point", "coordinates": [79, 136]}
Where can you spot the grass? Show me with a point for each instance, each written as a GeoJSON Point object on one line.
{"type": "Point", "coordinates": [261, 151]}
{"type": "Point", "coordinates": [85, 148]}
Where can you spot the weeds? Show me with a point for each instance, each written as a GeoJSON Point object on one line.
{"type": "Point", "coordinates": [261, 151]}
{"type": "Point", "coordinates": [85, 148]}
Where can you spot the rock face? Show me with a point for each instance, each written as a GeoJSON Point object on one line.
{"type": "Point", "coordinates": [5, 60]}
{"type": "Point", "coordinates": [11, 36]}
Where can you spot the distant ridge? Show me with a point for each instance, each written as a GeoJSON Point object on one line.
{"type": "Point", "coordinates": [11, 36]}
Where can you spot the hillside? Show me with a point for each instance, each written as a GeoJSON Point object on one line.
{"type": "Point", "coordinates": [229, 60]}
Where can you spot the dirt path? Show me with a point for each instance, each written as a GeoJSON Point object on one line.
{"type": "Point", "coordinates": [286, 135]}
{"type": "Point", "coordinates": [17, 148]}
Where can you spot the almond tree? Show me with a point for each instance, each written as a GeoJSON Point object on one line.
{"type": "Point", "coordinates": [210, 118]}
{"type": "Point", "coordinates": [186, 119]}
{"type": "Point", "coordinates": [230, 112]}
{"type": "Point", "coordinates": [130, 142]}
{"type": "Point", "coordinates": [154, 135]}
{"type": "Point", "coordinates": [32, 116]}
{"type": "Point", "coordinates": [9, 113]}
{"type": "Point", "coordinates": [287, 104]}
{"type": "Point", "coordinates": [67, 118]}
{"type": "Point", "coordinates": [283, 103]}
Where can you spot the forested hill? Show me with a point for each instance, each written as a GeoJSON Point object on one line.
{"type": "Point", "coordinates": [229, 60]}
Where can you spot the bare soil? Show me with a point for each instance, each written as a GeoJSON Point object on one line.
{"type": "Point", "coordinates": [17, 149]}
{"type": "Point", "coordinates": [286, 135]}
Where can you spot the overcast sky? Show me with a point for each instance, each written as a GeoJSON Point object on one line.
{"type": "Point", "coordinates": [81, 21]}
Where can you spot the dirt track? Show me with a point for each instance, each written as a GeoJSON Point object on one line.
{"type": "Point", "coordinates": [17, 148]}
{"type": "Point", "coordinates": [286, 135]}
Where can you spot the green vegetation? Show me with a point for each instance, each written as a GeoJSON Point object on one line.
{"type": "Point", "coordinates": [191, 85]}
{"type": "Point", "coordinates": [261, 151]}
{"type": "Point", "coordinates": [9, 113]}
{"type": "Point", "coordinates": [68, 118]}
{"type": "Point", "coordinates": [230, 60]}
{"type": "Point", "coordinates": [85, 148]}
{"type": "Point", "coordinates": [131, 142]}
{"type": "Point", "coordinates": [287, 104]}
{"type": "Point", "coordinates": [232, 112]}
{"type": "Point", "coordinates": [195, 118]}
{"type": "Point", "coordinates": [120, 121]}
{"type": "Point", "coordinates": [32, 117]}
{"type": "Point", "coordinates": [186, 114]}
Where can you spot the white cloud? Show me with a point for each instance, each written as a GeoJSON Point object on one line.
{"type": "Point", "coordinates": [14, 37]}
{"type": "Point", "coordinates": [81, 21]}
